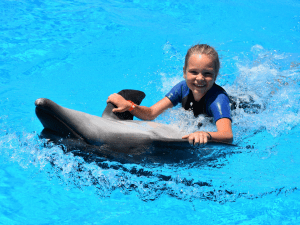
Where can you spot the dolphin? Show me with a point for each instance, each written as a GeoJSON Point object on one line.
{"type": "Point", "coordinates": [110, 134]}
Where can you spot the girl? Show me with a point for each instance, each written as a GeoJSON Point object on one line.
{"type": "Point", "coordinates": [198, 92]}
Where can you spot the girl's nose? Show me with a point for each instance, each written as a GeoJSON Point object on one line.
{"type": "Point", "coordinates": [200, 77]}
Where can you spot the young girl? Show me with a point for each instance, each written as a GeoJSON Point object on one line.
{"type": "Point", "coordinates": [198, 92]}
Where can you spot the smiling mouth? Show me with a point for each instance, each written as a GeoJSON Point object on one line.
{"type": "Point", "coordinates": [198, 85]}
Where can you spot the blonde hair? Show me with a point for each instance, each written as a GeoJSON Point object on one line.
{"type": "Point", "coordinates": [203, 49]}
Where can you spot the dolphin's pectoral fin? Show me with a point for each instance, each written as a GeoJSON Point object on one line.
{"type": "Point", "coordinates": [132, 95]}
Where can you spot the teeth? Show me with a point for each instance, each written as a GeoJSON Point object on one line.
{"type": "Point", "coordinates": [200, 85]}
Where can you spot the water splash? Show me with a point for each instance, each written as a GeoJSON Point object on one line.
{"type": "Point", "coordinates": [273, 86]}
{"type": "Point", "coordinates": [149, 181]}
{"type": "Point", "coordinates": [265, 91]}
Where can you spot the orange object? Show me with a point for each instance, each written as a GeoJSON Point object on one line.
{"type": "Point", "coordinates": [132, 105]}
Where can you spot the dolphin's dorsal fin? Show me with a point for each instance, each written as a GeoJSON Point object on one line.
{"type": "Point", "coordinates": [132, 95]}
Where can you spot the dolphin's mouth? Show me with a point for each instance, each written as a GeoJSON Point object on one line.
{"type": "Point", "coordinates": [51, 121]}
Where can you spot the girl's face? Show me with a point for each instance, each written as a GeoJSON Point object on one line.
{"type": "Point", "coordinates": [200, 75]}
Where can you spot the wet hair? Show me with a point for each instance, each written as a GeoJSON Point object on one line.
{"type": "Point", "coordinates": [206, 50]}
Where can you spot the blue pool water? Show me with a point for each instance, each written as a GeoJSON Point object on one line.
{"type": "Point", "coordinates": [78, 52]}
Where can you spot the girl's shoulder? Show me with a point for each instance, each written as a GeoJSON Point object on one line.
{"type": "Point", "coordinates": [181, 84]}
{"type": "Point", "coordinates": [215, 91]}
{"type": "Point", "coordinates": [182, 87]}
{"type": "Point", "coordinates": [178, 92]}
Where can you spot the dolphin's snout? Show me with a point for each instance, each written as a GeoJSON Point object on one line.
{"type": "Point", "coordinates": [40, 101]}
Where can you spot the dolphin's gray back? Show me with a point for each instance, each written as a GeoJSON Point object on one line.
{"type": "Point", "coordinates": [115, 129]}
{"type": "Point", "coordinates": [96, 130]}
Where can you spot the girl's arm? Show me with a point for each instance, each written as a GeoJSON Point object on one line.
{"type": "Point", "coordinates": [224, 134]}
{"type": "Point", "coordinates": [142, 112]}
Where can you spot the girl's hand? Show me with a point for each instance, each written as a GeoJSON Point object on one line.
{"type": "Point", "coordinates": [120, 102]}
{"type": "Point", "coordinates": [197, 138]}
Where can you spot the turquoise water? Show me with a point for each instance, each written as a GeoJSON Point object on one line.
{"type": "Point", "coordinates": [79, 52]}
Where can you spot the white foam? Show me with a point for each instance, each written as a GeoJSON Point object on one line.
{"type": "Point", "coordinates": [263, 78]}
